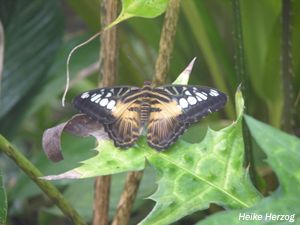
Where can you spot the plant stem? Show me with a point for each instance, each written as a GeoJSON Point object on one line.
{"type": "Point", "coordinates": [128, 197]}
{"type": "Point", "coordinates": [166, 42]}
{"type": "Point", "coordinates": [286, 67]}
{"type": "Point", "coordinates": [33, 173]}
{"type": "Point", "coordinates": [108, 60]}
{"type": "Point", "coordinates": [242, 77]}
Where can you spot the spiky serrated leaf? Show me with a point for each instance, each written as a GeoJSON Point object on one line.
{"type": "Point", "coordinates": [189, 176]}
{"type": "Point", "coordinates": [283, 156]}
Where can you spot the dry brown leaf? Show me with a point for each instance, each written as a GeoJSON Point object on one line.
{"type": "Point", "coordinates": [79, 125]}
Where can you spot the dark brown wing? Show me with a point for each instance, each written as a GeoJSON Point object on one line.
{"type": "Point", "coordinates": [104, 105]}
{"type": "Point", "coordinates": [126, 129]}
{"type": "Point", "coordinates": [163, 127]}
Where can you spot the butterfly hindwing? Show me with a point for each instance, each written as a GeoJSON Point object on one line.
{"type": "Point", "coordinates": [193, 102]}
{"type": "Point", "coordinates": [104, 105]}
{"type": "Point", "coordinates": [163, 126]}
{"type": "Point", "coordinates": [126, 129]}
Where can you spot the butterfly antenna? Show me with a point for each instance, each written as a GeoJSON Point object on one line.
{"type": "Point", "coordinates": [161, 66]}
{"type": "Point", "coordinates": [202, 78]}
{"type": "Point", "coordinates": [137, 67]}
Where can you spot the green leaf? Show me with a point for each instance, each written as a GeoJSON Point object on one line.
{"type": "Point", "coordinates": [189, 176]}
{"type": "Point", "coordinates": [33, 35]}
{"type": "Point", "coordinates": [283, 156]}
{"type": "Point", "coordinates": [141, 8]}
{"type": "Point", "coordinates": [3, 202]}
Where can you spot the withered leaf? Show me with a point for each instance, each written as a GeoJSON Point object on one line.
{"type": "Point", "coordinates": [79, 125]}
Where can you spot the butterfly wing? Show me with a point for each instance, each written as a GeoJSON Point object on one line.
{"type": "Point", "coordinates": [194, 102]}
{"type": "Point", "coordinates": [173, 107]}
{"type": "Point", "coordinates": [117, 108]}
{"type": "Point", "coordinates": [104, 105]}
{"type": "Point", "coordinates": [163, 126]}
{"type": "Point", "coordinates": [125, 131]}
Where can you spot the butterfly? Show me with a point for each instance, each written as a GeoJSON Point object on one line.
{"type": "Point", "coordinates": [166, 110]}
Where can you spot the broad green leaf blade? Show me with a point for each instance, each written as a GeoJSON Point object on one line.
{"type": "Point", "coordinates": [3, 202]}
{"type": "Point", "coordinates": [140, 8]}
{"type": "Point", "coordinates": [283, 155]}
{"type": "Point", "coordinates": [33, 35]}
{"type": "Point", "coordinates": [29, 54]}
{"type": "Point", "coordinates": [189, 176]}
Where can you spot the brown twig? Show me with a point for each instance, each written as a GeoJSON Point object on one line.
{"type": "Point", "coordinates": [166, 42]}
{"type": "Point", "coordinates": [127, 198]}
{"type": "Point", "coordinates": [165, 50]}
{"type": "Point", "coordinates": [108, 60]}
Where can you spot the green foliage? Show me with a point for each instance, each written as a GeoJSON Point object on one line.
{"type": "Point", "coordinates": [141, 8]}
{"type": "Point", "coordinates": [28, 55]}
{"type": "Point", "coordinates": [3, 201]}
{"type": "Point", "coordinates": [283, 155]}
{"type": "Point", "coordinates": [35, 60]}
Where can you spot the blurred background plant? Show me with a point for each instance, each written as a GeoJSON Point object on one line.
{"type": "Point", "coordinates": [39, 34]}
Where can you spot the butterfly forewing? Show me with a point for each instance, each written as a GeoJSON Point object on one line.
{"type": "Point", "coordinates": [104, 105]}
{"type": "Point", "coordinates": [193, 102]}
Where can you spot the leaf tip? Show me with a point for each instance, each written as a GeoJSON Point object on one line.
{"type": "Point", "coordinates": [239, 87]}
{"type": "Point", "coordinates": [72, 174]}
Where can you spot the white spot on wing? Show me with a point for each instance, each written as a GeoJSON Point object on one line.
{"type": "Point", "coordinates": [111, 104]}
{"type": "Point", "coordinates": [183, 103]}
{"type": "Point", "coordinates": [187, 93]}
{"type": "Point", "coordinates": [108, 95]}
{"type": "Point", "coordinates": [192, 100]}
{"type": "Point", "coordinates": [201, 95]}
{"type": "Point", "coordinates": [103, 102]}
{"type": "Point", "coordinates": [213, 92]}
{"type": "Point", "coordinates": [199, 99]}
{"type": "Point", "coordinates": [85, 95]}
{"type": "Point", "coordinates": [96, 98]}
